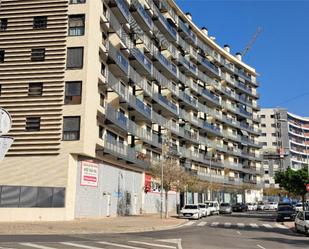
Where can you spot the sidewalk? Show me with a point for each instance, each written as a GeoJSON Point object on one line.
{"type": "Point", "coordinates": [125, 224]}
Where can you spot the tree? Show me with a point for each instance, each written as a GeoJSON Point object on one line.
{"type": "Point", "coordinates": [174, 177]}
{"type": "Point", "coordinates": [294, 182]}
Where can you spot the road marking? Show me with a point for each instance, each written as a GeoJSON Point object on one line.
{"type": "Point", "coordinates": [240, 224]}
{"type": "Point", "coordinates": [227, 224]}
{"type": "Point", "coordinates": [189, 223]}
{"type": "Point", "coordinates": [152, 244]}
{"type": "Point", "coordinates": [175, 241]}
{"type": "Point", "coordinates": [214, 224]}
{"type": "Point", "coordinates": [267, 226]}
{"type": "Point", "coordinates": [203, 223]}
{"type": "Point", "coordinates": [119, 245]}
{"type": "Point", "coordinates": [36, 246]}
{"type": "Point", "coordinates": [79, 245]}
{"type": "Point", "coordinates": [239, 232]}
{"type": "Point", "coordinates": [281, 226]}
{"type": "Point", "coordinates": [254, 225]}
{"type": "Point", "coordinates": [260, 246]}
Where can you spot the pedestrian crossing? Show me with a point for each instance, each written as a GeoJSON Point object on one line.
{"type": "Point", "coordinates": [131, 244]}
{"type": "Point", "coordinates": [238, 225]}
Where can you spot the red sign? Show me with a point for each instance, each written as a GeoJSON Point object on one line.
{"type": "Point", "coordinates": [148, 179]}
{"type": "Point", "coordinates": [307, 187]}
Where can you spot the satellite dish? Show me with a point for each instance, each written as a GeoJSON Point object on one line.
{"type": "Point", "coordinates": [5, 122]}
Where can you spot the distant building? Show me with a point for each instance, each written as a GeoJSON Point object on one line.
{"type": "Point", "coordinates": [284, 137]}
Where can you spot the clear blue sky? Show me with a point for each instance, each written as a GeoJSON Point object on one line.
{"type": "Point", "coordinates": [280, 53]}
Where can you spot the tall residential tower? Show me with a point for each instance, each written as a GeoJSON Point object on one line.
{"type": "Point", "coordinates": [94, 86]}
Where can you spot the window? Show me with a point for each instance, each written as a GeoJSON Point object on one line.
{"type": "Point", "coordinates": [274, 134]}
{"type": "Point", "coordinates": [31, 197]}
{"type": "Point", "coordinates": [111, 137]}
{"type": "Point", "coordinates": [262, 116]}
{"type": "Point", "coordinates": [76, 25]}
{"type": "Point", "coordinates": [38, 54]}
{"type": "Point", "coordinates": [273, 125]}
{"type": "Point", "coordinates": [3, 24]}
{"type": "Point", "coordinates": [264, 143]}
{"type": "Point", "coordinates": [33, 123]}
{"type": "Point", "coordinates": [71, 128]}
{"type": "Point", "coordinates": [266, 172]}
{"type": "Point", "coordinates": [274, 143]}
{"type": "Point", "coordinates": [2, 55]}
{"type": "Point", "coordinates": [272, 116]}
{"type": "Point", "coordinates": [73, 92]}
{"type": "Point", "coordinates": [263, 125]}
{"type": "Point", "coordinates": [77, 1]}
{"type": "Point", "coordinates": [40, 22]}
{"type": "Point", "coordinates": [266, 181]}
{"type": "Point", "coordinates": [263, 134]}
{"type": "Point", "coordinates": [75, 58]}
{"type": "Point", "coordinates": [35, 89]}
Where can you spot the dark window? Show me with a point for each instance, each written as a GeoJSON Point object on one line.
{"type": "Point", "coordinates": [73, 92]}
{"type": "Point", "coordinates": [263, 134]}
{"type": "Point", "coordinates": [38, 54]}
{"type": "Point", "coordinates": [77, 1]}
{"type": "Point", "coordinates": [2, 55]}
{"type": "Point", "coordinates": [273, 125]}
{"type": "Point", "coordinates": [40, 22]}
{"type": "Point", "coordinates": [33, 123]}
{"type": "Point", "coordinates": [75, 58]}
{"type": "Point", "coordinates": [35, 89]}
{"type": "Point", "coordinates": [31, 197]}
{"type": "Point", "coordinates": [274, 143]}
{"type": "Point", "coordinates": [263, 125]}
{"type": "Point", "coordinates": [71, 128]}
{"type": "Point", "coordinates": [272, 116]}
{"type": "Point", "coordinates": [266, 181]}
{"type": "Point", "coordinates": [76, 25]}
{"type": "Point", "coordinates": [3, 24]}
{"type": "Point", "coordinates": [262, 116]}
{"type": "Point", "coordinates": [274, 134]}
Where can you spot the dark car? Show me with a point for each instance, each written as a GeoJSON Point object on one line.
{"type": "Point", "coordinates": [225, 208]}
{"type": "Point", "coordinates": [239, 207]}
{"type": "Point", "coordinates": [285, 212]}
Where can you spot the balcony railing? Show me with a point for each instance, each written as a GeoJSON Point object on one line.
{"type": "Point", "coordinates": [144, 61]}
{"type": "Point", "coordinates": [141, 10]}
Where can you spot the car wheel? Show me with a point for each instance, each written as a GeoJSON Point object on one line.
{"type": "Point", "coordinates": [296, 228]}
{"type": "Point", "coordinates": [307, 231]}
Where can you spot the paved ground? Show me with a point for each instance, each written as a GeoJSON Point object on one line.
{"type": "Point", "coordinates": [237, 231]}
{"type": "Point", "coordinates": [99, 225]}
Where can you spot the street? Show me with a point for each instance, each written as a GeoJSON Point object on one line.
{"type": "Point", "coordinates": [257, 230]}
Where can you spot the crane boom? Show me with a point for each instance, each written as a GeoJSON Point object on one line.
{"type": "Point", "coordinates": [252, 41]}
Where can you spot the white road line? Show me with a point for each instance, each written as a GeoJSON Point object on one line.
{"type": "Point", "coordinates": [119, 245]}
{"type": "Point", "coordinates": [152, 244]}
{"type": "Point", "coordinates": [281, 226]}
{"type": "Point", "coordinates": [227, 224]}
{"type": "Point", "coordinates": [36, 246]}
{"type": "Point", "coordinates": [203, 223]}
{"type": "Point", "coordinates": [240, 224]}
{"type": "Point", "coordinates": [267, 226]}
{"type": "Point", "coordinates": [79, 245]}
{"type": "Point", "coordinates": [254, 225]}
{"type": "Point", "coordinates": [239, 232]}
{"type": "Point", "coordinates": [190, 223]}
{"type": "Point", "coordinates": [214, 224]}
{"type": "Point", "coordinates": [260, 246]}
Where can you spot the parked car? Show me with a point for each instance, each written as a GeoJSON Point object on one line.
{"type": "Point", "coordinates": [204, 209]}
{"type": "Point", "coordinates": [191, 211]}
{"type": "Point", "coordinates": [299, 207]}
{"type": "Point", "coordinates": [225, 208]}
{"type": "Point", "coordinates": [302, 222]}
{"type": "Point", "coordinates": [251, 206]}
{"type": "Point", "coordinates": [213, 207]}
{"type": "Point", "coordinates": [271, 206]}
{"type": "Point", "coordinates": [260, 205]}
{"type": "Point", "coordinates": [285, 212]}
{"type": "Point", "coordinates": [239, 207]}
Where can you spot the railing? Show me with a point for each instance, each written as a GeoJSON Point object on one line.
{"type": "Point", "coordinates": [144, 61]}
{"type": "Point", "coordinates": [139, 7]}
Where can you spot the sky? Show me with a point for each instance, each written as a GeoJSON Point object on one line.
{"type": "Point", "coordinates": [280, 53]}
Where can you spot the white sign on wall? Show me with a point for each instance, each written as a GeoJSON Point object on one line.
{"type": "Point", "coordinates": [89, 174]}
{"type": "Point", "coordinates": [5, 144]}
{"type": "Point", "coordinates": [5, 122]}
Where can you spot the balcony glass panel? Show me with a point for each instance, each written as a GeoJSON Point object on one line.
{"type": "Point", "coordinates": [124, 9]}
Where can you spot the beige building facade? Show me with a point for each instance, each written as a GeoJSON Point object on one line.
{"type": "Point", "coordinates": [93, 87]}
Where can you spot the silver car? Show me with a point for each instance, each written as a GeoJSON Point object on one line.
{"type": "Point", "coordinates": [225, 208]}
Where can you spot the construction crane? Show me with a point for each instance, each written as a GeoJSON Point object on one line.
{"type": "Point", "coordinates": [252, 41]}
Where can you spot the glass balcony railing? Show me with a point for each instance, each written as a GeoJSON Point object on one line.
{"type": "Point", "coordinates": [209, 65]}
{"type": "Point", "coordinates": [210, 95]}
{"type": "Point", "coordinates": [144, 108]}
{"type": "Point", "coordinates": [147, 64]}
{"type": "Point", "coordinates": [122, 61]}
{"type": "Point", "coordinates": [143, 13]}
{"type": "Point", "coordinates": [245, 112]}
{"type": "Point", "coordinates": [211, 126]}
{"type": "Point", "coordinates": [167, 102]}
{"type": "Point", "coordinates": [124, 9]}
{"type": "Point", "coordinates": [185, 28]}
{"type": "Point", "coordinates": [170, 66]}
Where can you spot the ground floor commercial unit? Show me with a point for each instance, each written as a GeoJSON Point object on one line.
{"type": "Point", "coordinates": [73, 186]}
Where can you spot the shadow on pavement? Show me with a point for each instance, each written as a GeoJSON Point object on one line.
{"type": "Point", "coordinates": [292, 242]}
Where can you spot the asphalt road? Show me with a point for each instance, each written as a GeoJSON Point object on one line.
{"type": "Point", "coordinates": [238, 231]}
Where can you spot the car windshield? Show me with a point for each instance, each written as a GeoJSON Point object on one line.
{"type": "Point", "coordinates": [224, 204]}
{"type": "Point", "coordinates": [307, 216]}
{"type": "Point", "coordinates": [202, 205]}
{"type": "Point", "coordinates": [285, 208]}
{"type": "Point", "coordinates": [190, 207]}
{"type": "Point", "coordinates": [298, 205]}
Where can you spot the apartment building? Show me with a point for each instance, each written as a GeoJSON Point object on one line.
{"type": "Point", "coordinates": [284, 140]}
{"type": "Point", "coordinates": [94, 87]}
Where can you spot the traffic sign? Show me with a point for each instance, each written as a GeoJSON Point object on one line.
{"type": "Point", "coordinates": [5, 122]}
{"type": "Point", "coordinates": [307, 187]}
{"type": "Point", "coordinates": [5, 144]}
